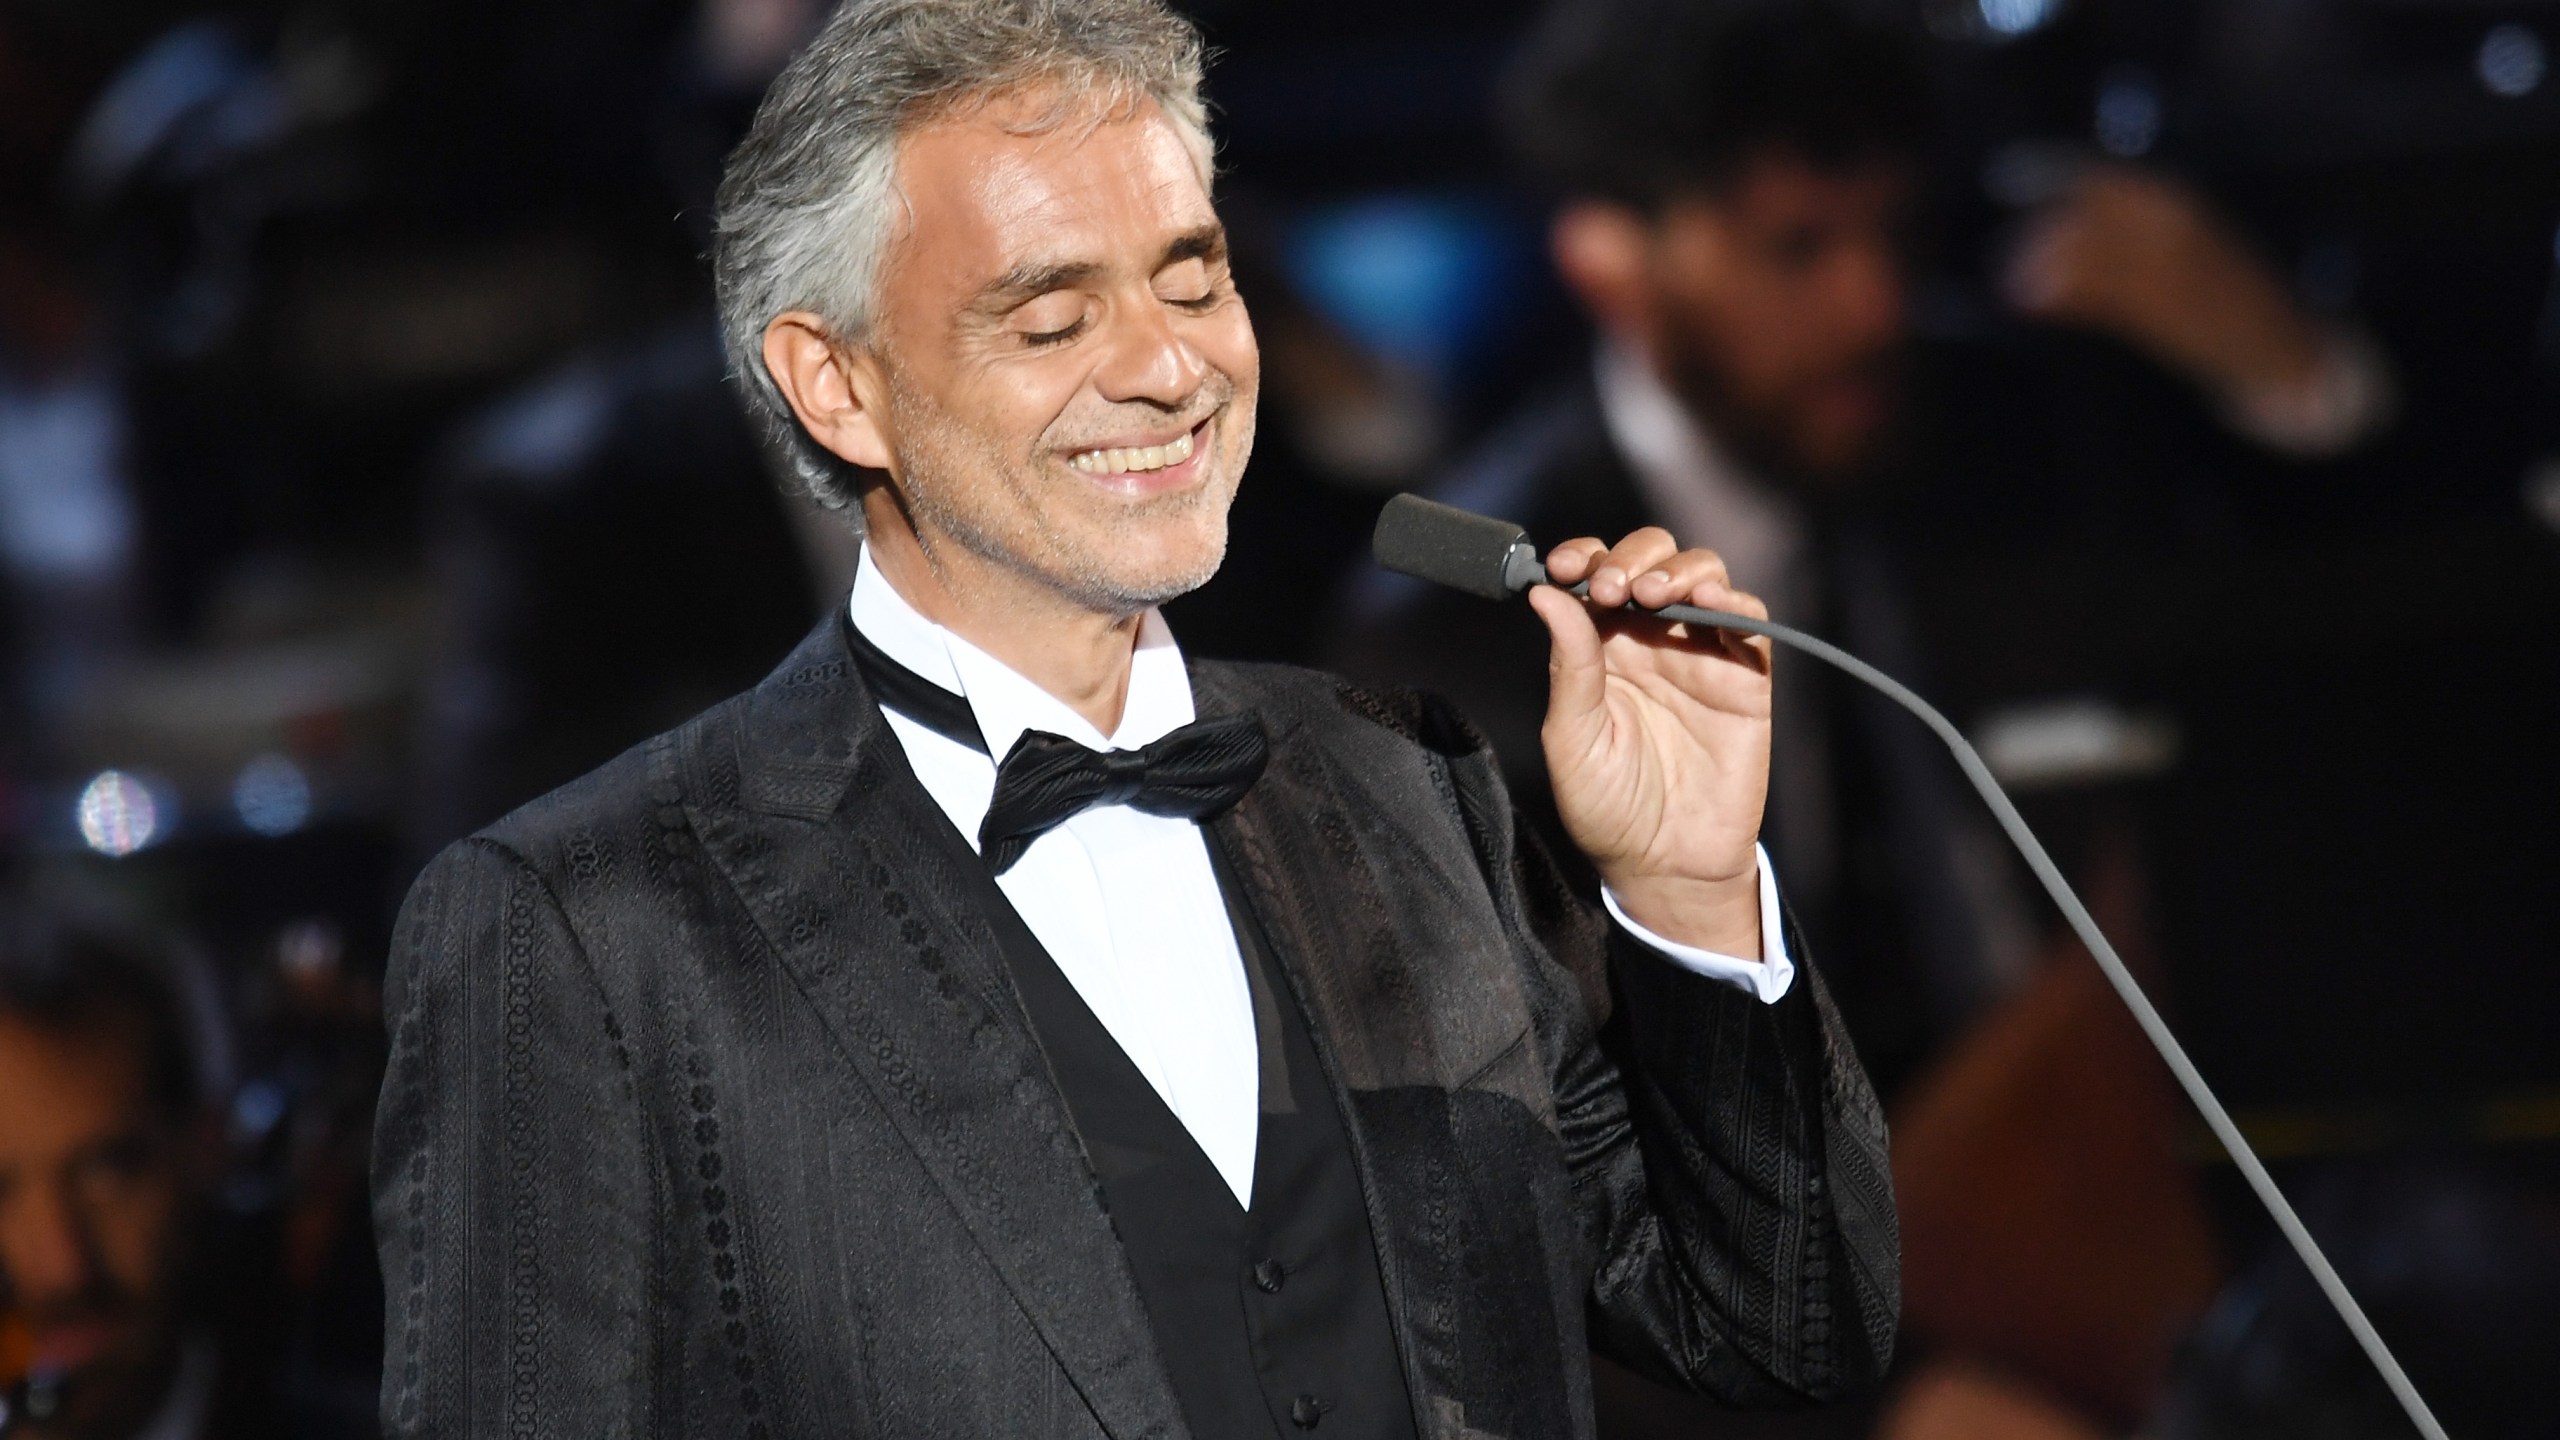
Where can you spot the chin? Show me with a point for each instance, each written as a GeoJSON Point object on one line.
{"type": "Point", "coordinates": [1176, 565]}
{"type": "Point", "coordinates": [1147, 559]}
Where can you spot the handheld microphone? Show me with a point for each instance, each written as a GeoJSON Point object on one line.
{"type": "Point", "coordinates": [1495, 560]}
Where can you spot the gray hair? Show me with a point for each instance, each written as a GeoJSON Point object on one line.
{"type": "Point", "coordinates": [807, 202]}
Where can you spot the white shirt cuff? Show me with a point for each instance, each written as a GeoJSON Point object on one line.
{"type": "Point", "coordinates": [2350, 398]}
{"type": "Point", "coordinates": [1768, 977]}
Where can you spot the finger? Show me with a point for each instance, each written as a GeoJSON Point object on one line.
{"type": "Point", "coordinates": [2039, 274]}
{"type": "Point", "coordinates": [1720, 595]}
{"type": "Point", "coordinates": [1708, 641]}
{"type": "Point", "coordinates": [1757, 652]}
{"type": "Point", "coordinates": [1577, 678]}
{"type": "Point", "coordinates": [1698, 577]}
{"type": "Point", "coordinates": [1679, 578]}
{"type": "Point", "coordinates": [1753, 652]}
{"type": "Point", "coordinates": [1570, 562]}
{"type": "Point", "coordinates": [1613, 574]}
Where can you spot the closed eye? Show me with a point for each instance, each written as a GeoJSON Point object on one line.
{"type": "Point", "coordinates": [1193, 283]}
{"type": "Point", "coordinates": [1052, 319]}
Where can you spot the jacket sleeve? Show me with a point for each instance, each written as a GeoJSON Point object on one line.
{"type": "Point", "coordinates": [1728, 1155]}
{"type": "Point", "coordinates": [511, 1180]}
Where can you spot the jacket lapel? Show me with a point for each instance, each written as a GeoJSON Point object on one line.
{"type": "Point", "coordinates": [850, 871]}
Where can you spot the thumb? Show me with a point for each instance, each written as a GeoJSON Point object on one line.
{"type": "Point", "coordinates": [1577, 679]}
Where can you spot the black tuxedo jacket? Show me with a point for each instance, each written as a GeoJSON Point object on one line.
{"type": "Point", "coordinates": [713, 1111]}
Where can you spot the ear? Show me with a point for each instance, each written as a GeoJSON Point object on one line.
{"type": "Point", "coordinates": [1601, 251]}
{"type": "Point", "coordinates": [836, 390]}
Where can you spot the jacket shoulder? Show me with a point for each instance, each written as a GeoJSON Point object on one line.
{"type": "Point", "coordinates": [799, 710]}
{"type": "Point", "coordinates": [617, 803]}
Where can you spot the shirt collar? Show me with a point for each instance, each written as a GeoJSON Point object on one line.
{"type": "Point", "coordinates": [1005, 703]}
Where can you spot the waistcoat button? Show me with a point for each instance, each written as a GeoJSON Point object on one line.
{"type": "Point", "coordinates": [1269, 1276]}
{"type": "Point", "coordinates": [1306, 1410]}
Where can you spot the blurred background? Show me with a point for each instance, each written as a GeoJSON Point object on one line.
{"type": "Point", "coordinates": [2171, 388]}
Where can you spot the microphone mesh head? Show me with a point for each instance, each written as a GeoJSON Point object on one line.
{"type": "Point", "coordinates": [1445, 545]}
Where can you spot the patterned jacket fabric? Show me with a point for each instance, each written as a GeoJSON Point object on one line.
{"type": "Point", "coordinates": [713, 1111]}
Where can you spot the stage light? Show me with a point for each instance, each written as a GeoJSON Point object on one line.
{"type": "Point", "coordinates": [257, 1108]}
{"type": "Point", "coordinates": [1425, 280]}
{"type": "Point", "coordinates": [272, 796]}
{"type": "Point", "coordinates": [118, 814]}
{"type": "Point", "coordinates": [2129, 116]}
{"type": "Point", "coordinates": [2011, 18]}
{"type": "Point", "coordinates": [2511, 62]}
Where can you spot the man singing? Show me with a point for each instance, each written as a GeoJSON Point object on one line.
{"type": "Point", "coordinates": [994, 1024]}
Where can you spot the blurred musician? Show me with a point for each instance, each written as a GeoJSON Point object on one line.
{"type": "Point", "coordinates": [108, 1151]}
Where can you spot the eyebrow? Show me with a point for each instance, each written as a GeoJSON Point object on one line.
{"type": "Point", "coordinates": [1208, 242]}
{"type": "Point", "coordinates": [1035, 278]}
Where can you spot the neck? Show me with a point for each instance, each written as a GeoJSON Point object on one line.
{"type": "Point", "coordinates": [1078, 655]}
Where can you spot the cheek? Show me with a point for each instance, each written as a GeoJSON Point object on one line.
{"type": "Point", "coordinates": [19, 1237]}
{"type": "Point", "coordinates": [1227, 342]}
{"type": "Point", "coordinates": [1783, 332]}
{"type": "Point", "coordinates": [135, 1229]}
{"type": "Point", "coordinates": [1744, 335]}
{"type": "Point", "coordinates": [1013, 404]}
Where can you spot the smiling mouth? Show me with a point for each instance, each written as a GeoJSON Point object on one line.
{"type": "Point", "coordinates": [1137, 459]}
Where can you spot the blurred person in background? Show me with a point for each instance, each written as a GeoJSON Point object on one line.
{"type": "Point", "coordinates": [2456, 1263]}
{"type": "Point", "coordinates": [110, 1153]}
{"type": "Point", "coordinates": [1737, 184]}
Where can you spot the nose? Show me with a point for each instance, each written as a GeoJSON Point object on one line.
{"type": "Point", "coordinates": [1148, 362]}
{"type": "Point", "coordinates": [45, 1247]}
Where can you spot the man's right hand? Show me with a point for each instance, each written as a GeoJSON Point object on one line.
{"type": "Point", "coordinates": [2141, 257]}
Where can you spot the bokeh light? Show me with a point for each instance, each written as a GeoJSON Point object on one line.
{"type": "Point", "coordinates": [2512, 61]}
{"type": "Point", "coordinates": [118, 814]}
{"type": "Point", "coordinates": [272, 795]}
{"type": "Point", "coordinates": [2129, 115]}
{"type": "Point", "coordinates": [2016, 17]}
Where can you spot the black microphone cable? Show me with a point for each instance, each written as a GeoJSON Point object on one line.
{"type": "Point", "coordinates": [1494, 559]}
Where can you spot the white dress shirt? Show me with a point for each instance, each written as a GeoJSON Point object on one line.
{"type": "Point", "coordinates": [1125, 902]}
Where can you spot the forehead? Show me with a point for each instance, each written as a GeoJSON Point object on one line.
{"type": "Point", "coordinates": [71, 1084]}
{"type": "Point", "coordinates": [1782, 187]}
{"type": "Point", "coordinates": [1022, 177]}
{"type": "Point", "coordinates": [1785, 185]}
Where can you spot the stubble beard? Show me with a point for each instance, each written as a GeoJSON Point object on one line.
{"type": "Point", "coordinates": [943, 460]}
{"type": "Point", "coordinates": [1763, 441]}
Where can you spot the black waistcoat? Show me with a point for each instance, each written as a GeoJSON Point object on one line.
{"type": "Point", "coordinates": [1272, 1321]}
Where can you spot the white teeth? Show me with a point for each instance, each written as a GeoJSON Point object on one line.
{"type": "Point", "coordinates": [1124, 460]}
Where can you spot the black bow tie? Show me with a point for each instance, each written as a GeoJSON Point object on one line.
{"type": "Point", "coordinates": [1197, 772]}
